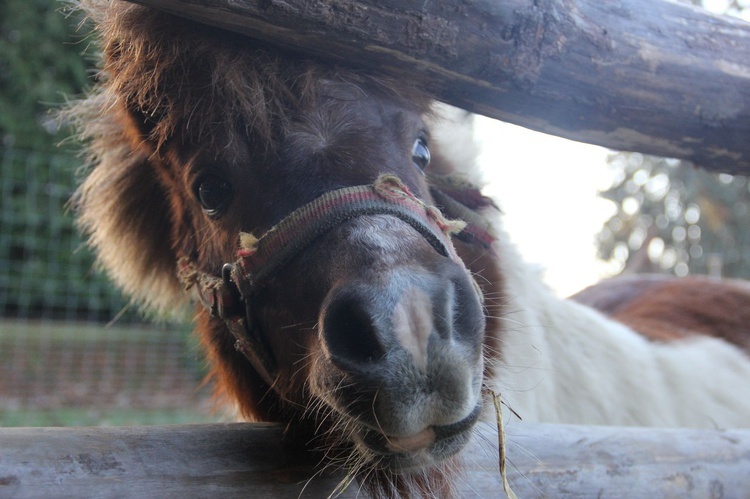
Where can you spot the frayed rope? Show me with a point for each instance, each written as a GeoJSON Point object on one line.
{"type": "Point", "coordinates": [391, 187]}
{"type": "Point", "coordinates": [497, 401]}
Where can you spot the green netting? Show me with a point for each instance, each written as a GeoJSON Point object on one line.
{"type": "Point", "coordinates": [46, 271]}
{"type": "Point", "coordinates": [71, 351]}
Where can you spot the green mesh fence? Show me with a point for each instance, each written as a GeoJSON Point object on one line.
{"type": "Point", "coordinates": [71, 351]}
{"type": "Point", "coordinates": [46, 272]}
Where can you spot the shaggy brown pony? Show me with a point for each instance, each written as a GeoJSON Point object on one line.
{"type": "Point", "coordinates": [374, 331]}
{"type": "Point", "coordinates": [348, 310]}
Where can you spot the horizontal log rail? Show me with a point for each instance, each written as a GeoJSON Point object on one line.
{"type": "Point", "coordinates": [652, 76]}
{"type": "Point", "coordinates": [249, 460]}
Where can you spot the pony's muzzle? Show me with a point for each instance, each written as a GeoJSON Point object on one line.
{"type": "Point", "coordinates": [407, 348]}
{"type": "Point", "coordinates": [413, 311]}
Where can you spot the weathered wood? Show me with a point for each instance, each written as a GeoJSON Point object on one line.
{"type": "Point", "coordinates": [645, 75]}
{"type": "Point", "coordinates": [248, 460]}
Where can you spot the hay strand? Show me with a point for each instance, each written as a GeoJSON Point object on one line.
{"type": "Point", "coordinates": [497, 401]}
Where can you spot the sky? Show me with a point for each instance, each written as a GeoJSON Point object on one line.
{"type": "Point", "coordinates": [547, 188]}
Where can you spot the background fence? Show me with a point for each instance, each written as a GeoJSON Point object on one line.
{"type": "Point", "coordinates": [71, 350]}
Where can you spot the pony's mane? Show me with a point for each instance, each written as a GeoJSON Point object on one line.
{"type": "Point", "coordinates": [166, 81]}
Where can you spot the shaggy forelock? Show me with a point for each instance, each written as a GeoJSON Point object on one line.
{"type": "Point", "coordinates": [206, 82]}
{"type": "Point", "coordinates": [182, 76]}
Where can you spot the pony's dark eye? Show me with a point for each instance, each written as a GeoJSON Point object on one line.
{"type": "Point", "coordinates": [420, 153]}
{"type": "Point", "coordinates": [214, 194]}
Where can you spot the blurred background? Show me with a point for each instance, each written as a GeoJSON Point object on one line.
{"type": "Point", "coordinates": [72, 352]}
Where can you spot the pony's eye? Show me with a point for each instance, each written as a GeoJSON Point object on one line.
{"type": "Point", "coordinates": [214, 194]}
{"type": "Point", "coordinates": [420, 153]}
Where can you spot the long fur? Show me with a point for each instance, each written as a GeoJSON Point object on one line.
{"type": "Point", "coordinates": [678, 356]}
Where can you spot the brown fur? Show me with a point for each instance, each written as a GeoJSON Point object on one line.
{"type": "Point", "coordinates": [176, 100]}
{"type": "Point", "coordinates": [489, 278]}
{"type": "Point", "coordinates": [667, 309]}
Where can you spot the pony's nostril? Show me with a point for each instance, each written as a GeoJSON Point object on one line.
{"type": "Point", "coordinates": [350, 333]}
{"type": "Point", "coordinates": [468, 319]}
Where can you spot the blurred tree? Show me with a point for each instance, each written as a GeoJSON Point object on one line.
{"type": "Point", "coordinates": [40, 64]}
{"type": "Point", "coordinates": [45, 271]}
{"type": "Point", "coordinates": [674, 218]}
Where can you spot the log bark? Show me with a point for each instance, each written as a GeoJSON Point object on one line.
{"type": "Point", "coordinates": [644, 75]}
{"type": "Point", "coordinates": [249, 460]}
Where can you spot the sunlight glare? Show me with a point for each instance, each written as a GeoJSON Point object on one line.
{"type": "Point", "coordinates": [547, 188]}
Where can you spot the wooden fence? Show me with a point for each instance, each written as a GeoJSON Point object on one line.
{"type": "Point", "coordinates": [249, 460]}
{"type": "Point", "coordinates": [652, 76]}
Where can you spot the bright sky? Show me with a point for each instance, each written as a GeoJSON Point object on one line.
{"type": "Point", "coordinates": [547, 188]}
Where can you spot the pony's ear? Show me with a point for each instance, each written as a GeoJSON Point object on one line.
{"type": "Point", "coordinates": [124, 210]}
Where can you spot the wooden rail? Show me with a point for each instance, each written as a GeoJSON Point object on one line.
{"type": "Point", "coordinates": [653, 76]}
{"type": "Point", "coordinates": [249, 460]}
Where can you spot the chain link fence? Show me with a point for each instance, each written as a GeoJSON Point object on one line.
{"type": "Point", "coordinates": [71, 350]}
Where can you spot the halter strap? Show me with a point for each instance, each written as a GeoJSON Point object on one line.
{"type": "Point", "coordinates": [230, 297]}
{"type": "Point", "coordinates": [260, 257]}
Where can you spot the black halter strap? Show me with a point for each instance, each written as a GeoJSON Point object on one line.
{"type": "Point", "coordinates": [230, 297]}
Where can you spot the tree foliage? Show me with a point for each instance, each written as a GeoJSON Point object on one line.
{"type": "Point", "coordinates": [672, 217]}
{"type": "Point", "coordinates": [40, 64]}
{"type": "Point", "coordinates": [45, 270]}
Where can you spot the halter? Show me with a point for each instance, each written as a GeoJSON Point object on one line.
{"type": "Point", "coordinates": [230, 297]}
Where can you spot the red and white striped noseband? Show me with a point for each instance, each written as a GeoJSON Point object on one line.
{"type": "Point", "coordinates": [230, 296]}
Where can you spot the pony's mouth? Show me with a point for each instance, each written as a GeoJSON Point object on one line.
{"type": "Point", "coordinates": [430, 445]}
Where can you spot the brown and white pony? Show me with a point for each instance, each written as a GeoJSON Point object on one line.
{"type": "Point", "coordinates": [353, 310]}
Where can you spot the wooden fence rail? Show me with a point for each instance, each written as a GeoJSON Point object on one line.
{"type": "Point", "coordinates": [249, 460]}
{"type": "Point", "coordinates": [652, 76]}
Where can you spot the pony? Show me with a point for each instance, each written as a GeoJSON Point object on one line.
{"type": "Point", "coordinates": [347, 277]}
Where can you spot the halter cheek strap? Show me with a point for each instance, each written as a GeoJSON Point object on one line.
{"type": "Point", "coordinates": [231, 296]}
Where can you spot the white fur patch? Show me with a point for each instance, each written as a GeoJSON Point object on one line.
{"type": "Point", "coordinates": [452, 135]}
{"type": "Point", "coordinates": [566, 363]}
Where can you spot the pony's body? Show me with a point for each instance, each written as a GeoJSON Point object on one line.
{"type": "Point", "coordinates": [376, 338]}
{"type": "Point", "coordinates": [567, 363]}
{"type": "Point", "coordinates": [641, 350]}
